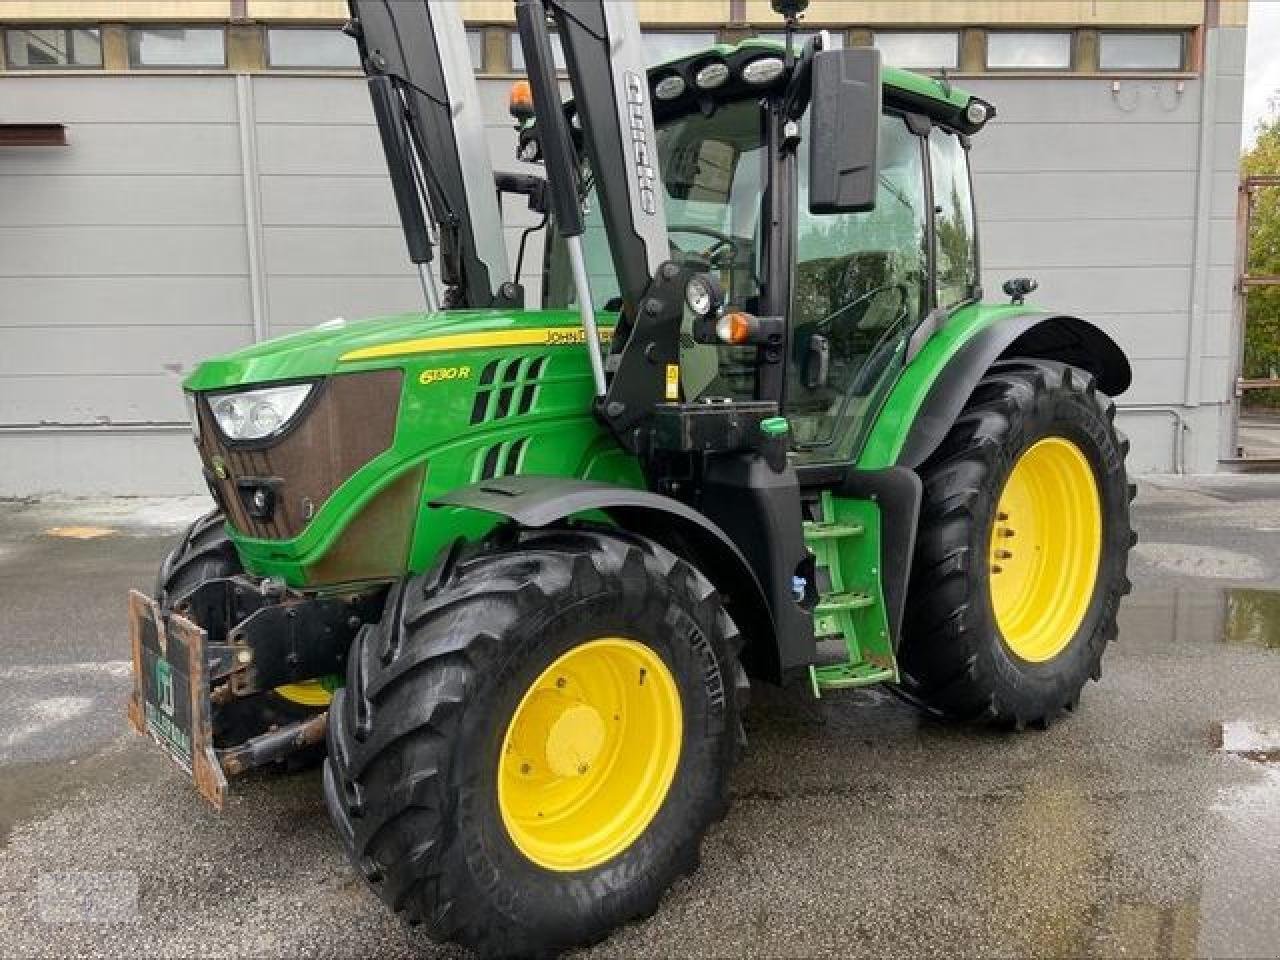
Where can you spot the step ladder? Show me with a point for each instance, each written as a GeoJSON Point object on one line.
{"type": "Point", "coordinates": [846, 544]}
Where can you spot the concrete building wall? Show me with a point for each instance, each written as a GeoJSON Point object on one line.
{"type": "Point", "coordinates": [191, 214]}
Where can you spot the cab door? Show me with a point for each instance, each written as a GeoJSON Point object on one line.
{"type": "Point", "coordinates": [861, 287]}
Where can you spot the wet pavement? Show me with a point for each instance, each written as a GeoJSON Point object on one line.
{"type": "Point", "coordinates": [1146, 824]}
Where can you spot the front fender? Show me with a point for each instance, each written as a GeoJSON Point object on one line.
{"type": "Point", "coordinates": [539, 501]}
{"type": "Point", "coordinates": [936, 384]}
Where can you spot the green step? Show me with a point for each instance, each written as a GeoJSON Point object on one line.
{"type": "Point", "coordinates": [841, 676]}
{"type": "Point", "coordinates": [832, 531]}
{"type": "Point", "coordinates": [831, 603]}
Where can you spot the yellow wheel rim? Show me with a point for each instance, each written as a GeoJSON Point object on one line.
{"type": "Point", "coordinates": [309, 693]}
{"type": "Point", "coordinates": [1046, 540]}
{"type": "Point", "coordinates": [590, 754]}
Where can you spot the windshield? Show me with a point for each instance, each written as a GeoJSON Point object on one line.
{"type": "Point", "coordinates": [713, 180]}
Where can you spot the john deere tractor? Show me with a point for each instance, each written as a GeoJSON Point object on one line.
{"type": "Point", "coordinates": [512, 562]}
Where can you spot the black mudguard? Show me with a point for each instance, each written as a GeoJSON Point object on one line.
{"type": "Point", "coordinates": [1046, 336]}
{"type": "Point", "coordinates": [536, 501]}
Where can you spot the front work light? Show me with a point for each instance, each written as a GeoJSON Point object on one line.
{"type": "Point", "coordinates": [257, 414]}
{"type": "Point", "coordinates": [711, 76]}
{"type": "Point", "coordinates": [669, 87]}
{"type": "Point", "coordinates": [977, 112]}
{"type": "Point", "coordinates": [762, 71]}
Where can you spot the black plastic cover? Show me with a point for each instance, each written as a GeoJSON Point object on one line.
{"type": "Point", "coordinates": [844, 130]}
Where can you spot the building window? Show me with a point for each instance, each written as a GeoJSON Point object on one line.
{"type": "Point", "coordinates": [517, 52]}
{"type": "Point", "coordinates": [177, 47]}
{"type": "Point", "coordinates": [920, 50]}
{"type": "Point", "coordinates": [32, 48]}
{"type": "Point", "coordinates": [310, 47]}
{"type": "Point", "coordinates": [663, 45]}
{"type": "Point", "coordinates": [1007, 50]}
{"type": "Point", "coordinates": [475, 47]}
{"type": "Point", "coordinates": [778, 36]}
{"type": "Point", "coordinates": [1141, 51]}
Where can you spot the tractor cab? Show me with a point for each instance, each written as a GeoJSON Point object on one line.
{"type": "Point", "coordinates": [859, 282]}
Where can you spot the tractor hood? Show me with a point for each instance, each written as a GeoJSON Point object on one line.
{"type": "Point", "coordinates": [379, 341]}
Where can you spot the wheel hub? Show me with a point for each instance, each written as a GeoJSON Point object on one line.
{"type": "Point", "coordinates": [590, 754]}
{"type": "Point", "coordinates": [1045, 545]}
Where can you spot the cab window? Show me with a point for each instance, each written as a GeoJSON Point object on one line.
{"type": "Point", "coordinates": [955, 237]}
{"type": "Point", "coordinates": [860, 290]}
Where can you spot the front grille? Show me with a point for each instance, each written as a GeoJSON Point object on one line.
{"type": "Point", "coordinates": [349, 421]}
{"type": "Point", "coordinates": [499, 460]}
{"type": "Point", "coordinates": [507, 388]}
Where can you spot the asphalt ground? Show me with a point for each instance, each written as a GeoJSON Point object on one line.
{"type": "Point", "coordinates": [857, 829]}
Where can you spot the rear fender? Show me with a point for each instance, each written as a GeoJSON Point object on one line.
{"type": "Point", "coordinates": [533, 501]}
{"type": "Point", "coordinates": [928, 399]}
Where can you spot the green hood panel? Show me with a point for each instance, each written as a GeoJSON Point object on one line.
{"type": "Point", "coordinates": [361, 344]}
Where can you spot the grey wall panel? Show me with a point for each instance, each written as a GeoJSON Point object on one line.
{"type": "Point", "coordinates": [1232, 45]}
{"type": "Point", "coordinates": [1036, 194]}
{"type": "Point", "coordinates": [1087, 243]}
{"type": "Point", "coordinates": [118, 351]}
{"type": "Point", "coordinates": [137, 98]}
{"type": "Point", "coordinates": [139, 148]}
{"type": "Point", "coordinates": [327, 201]}
{"type": "Point", "coordinates": [1218, 333]}
{"type": "Point", "coordinates": [1088, 100]}
{"type": "Point", "coordinates": [1155, 380]}
{"type": "Point", "coordinates": [1107, 290]}
{"type": "Point", "coordinates": [1226, 145]}
{"type": "Point", "coordinates": [28, 200]}
{"type": "Point", "coordinates": [298, 302]}
{"type": "Point", "coordinates": [311, 100]}
{"type": "Point", "coordinates": [326, 251]}
{"type": "Point", "coordinates": [115, 251]}
{"type": "Point", "coordinates": [1087, 147]}
{"type": "Point", "coordinates": [1149, 335]}
{"type": "Point", "coordinates": [324, 150]}
{"type": "Point", "coordinates": [99, 462]}
{"type": "Point", "coordinates": [92, 398]}
{"type": "Point", "coordinates": [1226, 186]}
{"type": "Point", "coordinates": [103, 301]}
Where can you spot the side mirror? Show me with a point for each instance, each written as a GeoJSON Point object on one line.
{"type": "Point", "coordinates": [844, 130]}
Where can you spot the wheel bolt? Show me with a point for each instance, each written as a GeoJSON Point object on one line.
{"type": "Point", "coordinates": [1002, 516]}
{"type": "Point", "coordinates": [582, 768]}
{"type": "Point", "coordinates": [997, 569]}
{"type": "Point", "coordinates": [1003, 555]}
{"type": "Point", "coordinates": [560, 682]}
{"type": "Point", "coordinates": [526, 769]}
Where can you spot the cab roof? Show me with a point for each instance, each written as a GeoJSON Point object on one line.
{"type": "Point", "coordinates": [903, 89]}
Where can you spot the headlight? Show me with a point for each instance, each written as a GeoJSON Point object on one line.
{"type": "Point", "coordinates": [700, 294]}
{"type": "Point", "coordinates": [257, 414]}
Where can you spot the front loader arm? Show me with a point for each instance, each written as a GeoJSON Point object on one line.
{"type": "Point", "coordinates": [432, 127]}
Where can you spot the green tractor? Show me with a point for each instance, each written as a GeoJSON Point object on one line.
{"type": "Point", "coordinates": [512, 566]}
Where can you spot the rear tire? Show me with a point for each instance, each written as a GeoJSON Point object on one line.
{"type": "Point", "coordinates": [422, 736]}
{"type": "Point", "coordinates": [205, 552]}
{"type": "Point", "coordinates": [956, 660]}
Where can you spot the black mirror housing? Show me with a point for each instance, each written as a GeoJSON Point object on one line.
{"type": "Point", "coordinates": [844, 130]}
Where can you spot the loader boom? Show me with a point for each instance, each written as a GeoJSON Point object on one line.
{"type": "Point", "coordinates": [433, 108]}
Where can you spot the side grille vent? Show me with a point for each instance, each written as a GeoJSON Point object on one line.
{"type": "Point", "coordinates": [500, 460]}
{"type": "Point", "coordinates": [507, 388]}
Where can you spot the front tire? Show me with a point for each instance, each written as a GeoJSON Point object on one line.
{"type": "Point", "coordinates": [1022, 550]}
{"type": "Point", "coordinates": [480, 770]}
{"type": "Point", "coordinates": [205, 552]}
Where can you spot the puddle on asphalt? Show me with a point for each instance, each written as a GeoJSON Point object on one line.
{"type": "Point", "coordinates": [1253, 617]}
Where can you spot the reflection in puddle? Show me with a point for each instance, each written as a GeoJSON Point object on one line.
{"type": "Point", "coordinates": [1253, 617]}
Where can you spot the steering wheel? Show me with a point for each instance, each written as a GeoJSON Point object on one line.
{"type": "Point", "coordinates": [722, 241]}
